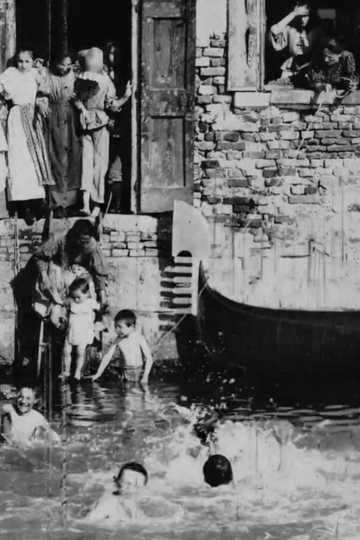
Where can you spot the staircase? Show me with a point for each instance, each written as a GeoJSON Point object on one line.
{"type": "Point", "coordinates": [178, 286]}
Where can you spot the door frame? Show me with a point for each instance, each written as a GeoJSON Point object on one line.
{"type": "Point", "coordinates": [135, 117]}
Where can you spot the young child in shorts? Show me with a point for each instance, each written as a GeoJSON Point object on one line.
{"type": "Point", "coordinates": [21, 424]}
{"type": "Point", "coordinates": [81, 326]}
{"type": "Point", "coordinates": [135, 355]}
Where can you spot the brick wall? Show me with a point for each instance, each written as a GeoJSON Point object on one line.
{"type": "Point", "coordinates": [285, 173]}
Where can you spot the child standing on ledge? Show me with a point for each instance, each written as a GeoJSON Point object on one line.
{"type": "Point", "coordinates": [81, 327]}
{"type": "Point", "coordinates": [135, 354]}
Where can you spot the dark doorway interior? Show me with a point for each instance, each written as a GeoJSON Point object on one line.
{"type": "Point", "coordinates": [52, 27]}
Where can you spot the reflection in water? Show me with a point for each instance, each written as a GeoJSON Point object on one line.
{"type": "Point", "coordinates": [293, 481]}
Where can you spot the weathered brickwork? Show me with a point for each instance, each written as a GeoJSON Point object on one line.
{"type": "Point", "coordinates": [273, 170]}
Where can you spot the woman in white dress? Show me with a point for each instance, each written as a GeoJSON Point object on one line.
{"type": "Point", "coordinates": [29, 169]}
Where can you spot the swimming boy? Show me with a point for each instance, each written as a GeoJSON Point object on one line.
{"type": "Point", "coordinates": [120, 503]}
{"type": "Point", "coordinates": [136, 359]}
{"type": "Point", "coordinates": [21, 424]}
{"type": "Point", "coordinates": [217, 471]}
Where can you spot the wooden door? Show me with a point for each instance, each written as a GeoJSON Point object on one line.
{"type": "Point", "coordinates": [166, 103]}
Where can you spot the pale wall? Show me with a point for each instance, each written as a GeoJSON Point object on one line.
{"type": "Point", "coordinates": [210, 19]}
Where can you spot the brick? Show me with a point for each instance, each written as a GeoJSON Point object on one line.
{"type": "Point", "coordinates": [307, 135]}
{"type": "Point", "coordinates": [120, 253]}
{"type": "Point", "coordinates": [152, 252]}
{"type": "Point", "coordinates": [238, 183]}
{"type": "Point", "coordinates": [304, 199]}
{"type": "Point", "coordinates": [206, 90]}
{"type": "Point", "coordinates": [274, 154]}
{"type": "Point", "coordinates": [287, 171]}
{"type": "Point", "coordinates": [219, 80]}
{"type": "Point", "coordinates": [136, 253]}
{"type": "Point", "coordinates": [340, 148]}
{"type": "Point", "coordinates": [202, 62]}
{"type": "Point", "coordinates": [304, 173]}
{"type": "Point", "coordinates": [254, 155]}
{"type": "Point", "coordinates": [326, 133]}
{"type": "Point", "coordinates": [264, 137]}
{"type": "Point", "coordinates": [216, 62]}
{"type": "Point", "coordinates": [232, 136]}
{"type": "Point", "coordinates": [290, 116]}
{"type": "Point", "coordinates": [206, 146]}
{"type": "Point", "coordinates": [222, 99]}
{"type": "Point", "coordinates": [213, 71]}
{"type": "Point", "coordinates": [270, 173]}
{"type": "Point", "coordinates": [214, 51]}
{"type": "Point", "coordinates": [289, 135]}
{"type": "Point", "coordinates": [274, 182]}
{"type": "Point", "coordinates": [278, 145]}
{"type": "Point", "coordinates": [262, 163]}
{"type": "Point", "coordinates": [204, 100]}
{"type": "Point", "coordinates": [351, 133]}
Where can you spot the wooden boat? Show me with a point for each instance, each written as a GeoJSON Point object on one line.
{"type": "Point", "coordinates": [277, 342]}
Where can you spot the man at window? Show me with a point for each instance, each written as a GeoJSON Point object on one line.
{"type": "Point", "coordinates": [298, 36]}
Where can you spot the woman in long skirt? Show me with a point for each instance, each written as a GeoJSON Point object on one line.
{"type": "Point", "coordinates": [64, 138]}
{"type": "Point", "coordinates": [28, 162]}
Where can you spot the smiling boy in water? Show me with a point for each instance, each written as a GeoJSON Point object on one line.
{"type": "Point", "coordinates": [121, 503]}
{"type": "Point", "coordinates": [21, 424]}
{"type": "Point", "coordinates": [136, 359]}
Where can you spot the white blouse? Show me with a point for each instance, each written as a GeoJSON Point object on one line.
{"type": "Point", "coordinates": [20, 87]}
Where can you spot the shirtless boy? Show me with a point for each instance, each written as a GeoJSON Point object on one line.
{"type": "Point", "coordinates": [136, 359]}
{"type": "Point", "coordinates": [21, 424]}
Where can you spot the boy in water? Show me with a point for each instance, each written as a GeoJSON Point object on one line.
{"type": "Point", "coordinates": [217, 471]}
{"type": "Point", "coordinates": [120, 504]}
{"type": "Point", "coordinates": [136, 359]}
{"type": "Point", "coordinates": [21, 424]}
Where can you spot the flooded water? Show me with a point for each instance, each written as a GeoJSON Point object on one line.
{"type": "Point", "coordinates": [296, 464]}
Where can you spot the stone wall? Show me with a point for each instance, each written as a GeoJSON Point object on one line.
{"type": "Point", "coordinates": [287, 173]}
{"type": "Point", "coordinates": [137, 254]}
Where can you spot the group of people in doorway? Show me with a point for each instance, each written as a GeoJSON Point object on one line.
{"type": "Point", "coordinates": [312, 56]}
{"type": "Point", "coordinates": [56, 149]}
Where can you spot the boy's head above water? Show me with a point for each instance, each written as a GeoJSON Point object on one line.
{"type": "Point", "coordinates": [25, 400]}
{"type": "Point", "coordinates": [125, 322]}
{"type": "Point", "coordinates": [131, 477]}
{"type": "Point", "coordinates": [217, 471]}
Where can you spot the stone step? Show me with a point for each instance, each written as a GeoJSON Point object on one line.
{"type": "Point", "coordinates": [181, 302]}
{"type": "Point", "coordinates": [181, 291]}
{"type": "Point", "coordinates": [183, 260]}
{"type": "Point", "coordinates": [178, 270]}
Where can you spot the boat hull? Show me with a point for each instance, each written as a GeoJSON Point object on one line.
{"type": "Point", "coordinates": [278, 341]}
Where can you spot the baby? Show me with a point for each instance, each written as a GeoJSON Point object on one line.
{"type": "Point", "coordinates": [120, 504]}
{"type": "Point", "coordinates": [21, 424]}
{"type": "Point", "coordinates": [81, 325]}
{"type": "Point", "coordinates": [136, 359]}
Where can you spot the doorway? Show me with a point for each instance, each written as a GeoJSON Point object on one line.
{"type": "Point", "coordinates": [53, 27]}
